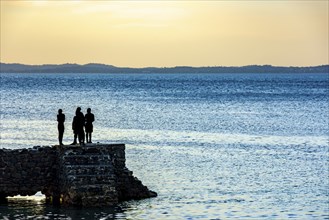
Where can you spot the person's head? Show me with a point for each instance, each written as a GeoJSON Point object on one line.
{"type": "Point", "coordinates": [88, 110]}
{"type": "Point", "coordinates": [78, 111]}
{"type": "Point", "coordinates": [60, 111]}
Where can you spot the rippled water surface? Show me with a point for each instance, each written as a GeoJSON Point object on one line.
{"type": "Point", "coordinates": [214, 146]}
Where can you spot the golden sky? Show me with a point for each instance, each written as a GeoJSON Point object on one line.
{"type": "Point", "coordinates": [165, 33]}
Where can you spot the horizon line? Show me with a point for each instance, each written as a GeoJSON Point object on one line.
{"type": "Point", "coordinates": [95, 63]}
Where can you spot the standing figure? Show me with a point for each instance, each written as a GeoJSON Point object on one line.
{"type": "Point", "coordinates": [77, 127]}
{"type": "Point", "coordinates": [60, 126]}
{"type": "Point", "coordinates": [90, 118]}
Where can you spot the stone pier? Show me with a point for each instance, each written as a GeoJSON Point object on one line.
{"type": "Point", "coordinates": [92, 175]}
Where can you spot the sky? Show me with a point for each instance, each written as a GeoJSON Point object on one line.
{"type": "Point", "coordinates": [165, 33]}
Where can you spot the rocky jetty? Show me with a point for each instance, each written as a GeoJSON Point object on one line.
{"type": "Point", "coordinates": [93, 175]}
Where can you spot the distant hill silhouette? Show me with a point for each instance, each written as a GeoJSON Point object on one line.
{"type": "Point", "coordinates": [103, 68]}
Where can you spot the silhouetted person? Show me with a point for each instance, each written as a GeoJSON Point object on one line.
{"type": "Point", "coordinates": [61, 120]}
{"type": "Point", "coordinates": [77, 126]}
{"type": "Point", "coordinates": [90, 118]}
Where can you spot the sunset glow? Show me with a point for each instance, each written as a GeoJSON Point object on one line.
{"type": "Point", "coordinates": [165, 33]}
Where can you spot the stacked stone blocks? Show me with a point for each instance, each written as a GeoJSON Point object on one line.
{"type": "Point", "coordinates": [92, 175]}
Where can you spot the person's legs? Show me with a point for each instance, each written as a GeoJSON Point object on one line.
{"type": "Point", "coordinates": [87, 137]}
{"type": "Point", "coordinates": [60, 137]}
{"type": "Point", "coordinates": [75, 139]}
{"type": "Point", "coordinates": [90, 132]}
{"type": "Point", "coordinates": [81, 137]}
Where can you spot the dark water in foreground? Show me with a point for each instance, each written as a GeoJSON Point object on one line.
{"type": "Point", "coordinates": [225, 146]}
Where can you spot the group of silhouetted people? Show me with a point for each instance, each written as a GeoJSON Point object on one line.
{"type": "Point", "coordinates": [80, 124]}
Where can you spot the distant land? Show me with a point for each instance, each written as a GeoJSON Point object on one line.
{"type": "Point", "coordinates": [103, 68]}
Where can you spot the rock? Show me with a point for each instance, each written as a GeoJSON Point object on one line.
{"type": "Point", "coordinates": [93, 175]}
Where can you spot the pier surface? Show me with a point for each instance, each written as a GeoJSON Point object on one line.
{"type": "Point", "coordinates": [92, 175]}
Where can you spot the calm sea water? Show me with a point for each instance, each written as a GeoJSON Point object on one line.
{"type": "Point", "coordinates": [214, 146]}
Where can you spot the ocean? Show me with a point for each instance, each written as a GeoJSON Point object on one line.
{"type": "Point", "coordinates": [213, 146]}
